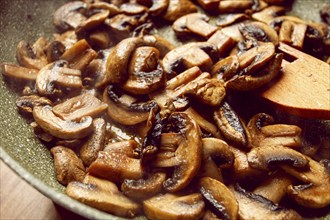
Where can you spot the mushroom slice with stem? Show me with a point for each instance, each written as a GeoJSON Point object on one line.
{"type": "Point", "coordinates": [226, 68]}
{"type": "Point", "coordinates": [264, 133]}
{"type": "Point", "coordinates": [19, 73]}
{"type": "Point", "coordinates": [188, 153]}
{"type": "Point", "coordinates": [259, 31]}
{"type": "Point", "coordinates": [128, 148]}
{"type": "Point", "coordinates": [268, 14]}
{"type": "Point", "coordinates": [195, 23]}
{"type": "Point", "coordinates": [92, 22]}
{"type": "Point", "coordinates": [253, 206]}
{"type": "Point", "coordinates": [293, 33]}
{"type": "Point", "coordinates": [222, 42]}
{"type": "Point", "coordinates": [229, 19]}
{"type": "Point", "coordinates": [25, 104]}
{"type": "Point", "coordinates": [263, 76]}
{"type": "Point", "coordinates": [60, 128]}
{"type": "Point", "coordinates": [103, 195]}
{"type": "Point", "coordinates": [95, 143]}
{"type": "Point", "coordinates": [54, 50]}
{"type": "Point", "coordinates": [230, 124]}
{"type": "Point", "coordinates": [156, 7]}
{"type": "Point", "coordinates": [69, 15]}
{"type": "Point", "coordinates": [67, 164]}
{"type": "Point", "coordinates": [32, 57]}
{"type": "Point", "coordinates": [80, 106]}
{"type": "Point", "coordinates": [174, 207]}
{"type": "Point", "coordinates": [178, 8]}
{"type": "Point", "coordinates": [132, 8]}
{"type": "Point", "coordinates": [56, 76]}
{"type": "Point", "coordinates": [126, 113]}
{"type": "Point", "coordinates": [216, 155]}
{"type": "Point", "coordinates": [274, 188]}
{"type": "Point", "coordinates": [145, 71]}
{"type": "Point", "coordinates": [222, 201]}
{"type": "Point", "coordinates": [143, 188]}
{"type": "Point", "coordinates": [315, 192]}
{"type": "Point", "coordinates": [268, 157]}
{"type": "Point", "coordinates": [116, 166]}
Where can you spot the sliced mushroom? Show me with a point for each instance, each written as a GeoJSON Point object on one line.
{"type": "Point", "coordinates": [216, 155]}
{"type": "Point", "coordinates": [69, 15]}
{"type": "Point", "coordinates": [41, 134]}
{"type": "Point", "coordinates": [132, 8]}
{"type": "Point", "coordinates": [259, 31]}
{"type": "Point", "coordinates": [112, 8]}
{"type": "Point", "coordinates": [145, 71]}
{"type": "Point", "coordinates": [264, 76]}
{"type": "Point", "coordinates": [32, 57]}
{"type": "Point", "coordinates": [208, 91]}
{"type": "Point", "coordinates": [68, 166]}
{"type": "Point", "coordinates": [187, 56]}
{"type": "Point", "coordinates": [226, 68]}
{"type": "Point", "coordinates": [92, 22]}
{"type": "Point", "coordinates": [116, 167]}
{"type": "Point", "coordinates": [174, 207]}
{"type": "Point", "coordinates": [188, 152]}
{"type": "Point", "coordinates": [233, 32]}
{"type": "Point", "coordinates": [55, 76]}
{"type": "Point", "coordinates": [230, 124]}
{"type": "Point", "coordinates": [57, 127]}
{"type": "Point", "coordinates": [222, 42]}
{"type": "Point", "coordinates": [274, 188]}
{"type": "Point", "coordinates": [80, 106]}
{"type": "Point", "coordinates": [79, 55]}
{"type": "Point", "coordinates": [325, 13]}
{"type": "Point", "coordinates": [67, 38]}
{"type": "Point", "coordinates": [195, 23]}
{"type": "Point", "coordinates": [103, 195]}
{"type": "Point", "coordinates": [241, 168]}
{"type": "Point", "coordinates": [128, 148]}
{"type": "Point", "coordinates": [221, 199]}
{"type": "Point", "coordinates": [268, 14]}
{"type": "Point", "coordinates": [268, 157]}
{"type": "Point", "coordinates": [178, 8]}
{"type": "Point", "coordinates": [25, 104]}
{"type": "Point", "coordinates": [100, 39]}
{"type": "Point", "coordinates": [126, 113]}
{"type": "Point", "coordinates": [293, 33]}
{"type": "Point", "coordinates": [54, 50]}
{"type": "Point", "coordinates": [95, 143]}
{"type": "Point", "coordinates": [263, 133]}
{"type": "Point", "coordinates": [315, 192]}
{"type": "Point", "coordinates": [143, 188]}
{"type": "Point", "coordinates": [203, 123]}
{"type": "Point", "coordinates": [226, 6]}
{"type": "Point", "coordinates": [252, 206]}
{"type": "Point", "coordinates": [19, 73]}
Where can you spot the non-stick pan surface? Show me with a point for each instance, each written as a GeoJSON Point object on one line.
{"type": "Point", "coordinates": [27, 20]}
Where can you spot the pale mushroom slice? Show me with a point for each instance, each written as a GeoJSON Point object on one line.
{"type": "Point", "coordinates": [25, 104]}
{"type": "Point", "coordinates": [196, 23]}
{"type": "Point", "coordinates": [293, 33]}
{"type": "Point", "coordinates": [116, 167]}
{"type": "Point", "coordinates": [128, 147]}
{"type": "Point", "coordinates": [80, 106]}
{"type": "Point", "coordinates": [226, 68]}
{"type": "Point", "coordinates": [19, 73]}
{"type": "Point", "coordinates": [264, 133]}
{"type": "Point", "coordinates": [92, 22]}
{"type": "Point", "coordinates": [95, 142]}
{"type": "Point", "coordinates": [32, 57]}
{"type": "Point", "coordinates": [219, 197]}
{"type": "Point", "coordinates": [68, 166]}
{"type": "Point", "coordinates": [229, 19]}
{"type": "Point", "coordinates": [123, 108]}
{"type": "Point", "coordinates": [222, 42]}
{"type": "Point", "coordinates": [268, 14]}
{"type": "Point", "coordinates": [103, 195]}
{"type": "Point", "coordinates": [60, 128]}
{"type": "Point", "coordinates": [188, 153]}
{"type": "Point", "coordinates": [268, 157]}
{"type": "Point", "coordinates": [252, 206]}
{"type": "Point", "coordinates": [144, 188]}
{"type": "Point", "coordinates": [230, 125]}
{"type": "Point", "coordinates": [174, 207]}
{"type": "Point", "coordinates": [226, 6]}
{"type": "Point", "coordinates": [275, 187]}
{"type": "Point", "coordinates": [315, 192]}
{"type": "Point", "coordinates": [56, 76]}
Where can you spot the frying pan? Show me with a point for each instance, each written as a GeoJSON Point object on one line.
{"type": "Point", "coordinates": [29, 19]}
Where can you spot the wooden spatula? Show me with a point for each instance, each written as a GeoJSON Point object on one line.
{"type": "Point", "coordinates": [304, 87]}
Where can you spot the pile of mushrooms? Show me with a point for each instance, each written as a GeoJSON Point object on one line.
{"type": "Point", "coordinates": [138, 125]}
